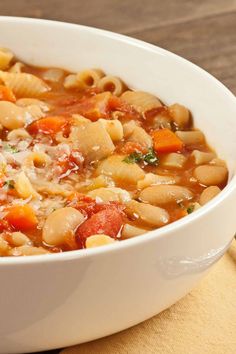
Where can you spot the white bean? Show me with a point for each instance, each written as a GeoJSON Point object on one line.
{"type": "Point", "coordinates": [151, 215]}
{"type": "Point", "coordinates": [164, 194]}
{"type": "Point", "coordinates": [60, 225]}
{"type": "Point", "coordinates": [115, 167]}
{"type": "Point", "coordinates": [98, 240]}
{"type": "Point", "coordinates": [152, 179]}
{"type": "Point", "coordinates": [208, 194]}
{"type": "Point", "coordinates": [210, 175]}
{"type": "Point", "coordinates": [130, 231]}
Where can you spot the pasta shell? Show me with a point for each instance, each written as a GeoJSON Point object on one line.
{"type": "Point", "coordinates": [24, 85]}
{"type": "Point", "coordinates": [141, 101]}
{"type": "Point", "coordinates": [5, 58]}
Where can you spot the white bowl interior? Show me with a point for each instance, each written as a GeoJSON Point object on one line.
{"type": "Point", "coordinates": [168, 76]}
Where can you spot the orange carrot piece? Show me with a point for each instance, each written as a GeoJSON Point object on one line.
{"type": "Point", "coordinates": [21, 217]}
{"type": "Point", "coordinates": [6, 94]}
{"type": "Point", "coordinates": [166, 141]}
{"type": "Point", "coordinates": [48, 125]}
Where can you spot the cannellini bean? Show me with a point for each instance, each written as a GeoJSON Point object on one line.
{"type": "Point", "coordinates": [114, 128]}
{"type": "Point", "coordinates": [217, 162]}
{"type": "Point", "coordinates": [208, 194]}
{"type": "Point", "coordinates": [179, 114]}
{"type": "Point", "coordinates": [211, 175]}
{"type": "Point", "coordinates": [202, 157]}
{"type": "Point", "coordinates": [4, 247]}
{"type": "Point", "coordinates": [115, 167]}
{"type": "Point", "coordinates": [151, 215]}
{"type": "Point", "coordinates": [24, 187]}
{"type": "Point", "coordinates": [111, 194]}
{"type": "Point", "coordinates": [191, 137]}
{"type": "Point", "coordinates": [152, 179]}
{"type": "Point", "coordinates": [20, 239]}
{"type": "Point", "coordinates": [60, 225]}
{"type": "Point", "coordinates": [139, 135]}
{"type": "Point", "coordinates": [164, 194]}
{"type": "Point", "coordinates": [27, 250]}
{"type": "Point", "coordinates": [98, 240]}
{"type": "Point", "coordinates": [130, 231]}
{"type": "Point", "coordinates": [174, 160]}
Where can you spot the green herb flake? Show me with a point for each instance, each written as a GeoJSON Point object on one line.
{"type": "Point", "coordinates": [149, 158]}
{"type": "Point", "coordinates": [10, 184]}
{"type": "Point", "coordinates": [190, 209]}
{"type": "Point", "coordinates": [9, 148]}
{"type": "Point", "coordinates": [134, 157]}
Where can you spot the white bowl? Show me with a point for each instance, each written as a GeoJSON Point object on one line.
{"type": "Point", "coordinates": [63, 299]}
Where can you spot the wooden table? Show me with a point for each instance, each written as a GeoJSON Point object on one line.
{"type": "Point", "coordinates": [202, 31]}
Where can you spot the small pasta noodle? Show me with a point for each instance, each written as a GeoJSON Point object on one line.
{"type": "Point", "coordinates": [24, 85]}
{"type": "Point", "coordinates": [89, 78]}
{"type": "Point", "coordinates": [112, 84]}
{"type": "Point", "coordinates": [141, 101]}
{"type": "Point", "coordinates": [5, 58]}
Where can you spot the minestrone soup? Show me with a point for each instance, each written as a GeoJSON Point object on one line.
{"type": "Point", "coordinates": [85, 161]}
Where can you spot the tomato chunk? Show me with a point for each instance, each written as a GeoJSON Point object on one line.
{"type": "Point", "coordinates": [48, 125]}
{"type": "Point", "coordinates": [21, 217]}
{"type": "Point", "coordinates": [108, 222]}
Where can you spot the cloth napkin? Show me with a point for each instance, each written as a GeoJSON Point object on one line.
{"type": "Point", "coordinates": [203, 322]}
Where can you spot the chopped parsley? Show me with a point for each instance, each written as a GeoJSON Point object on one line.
{"type": "Point", "coordinates": [10, 184]}
{"type": "Point", "coordinates": [149, 158]}
{"type": "Point", "coordinates": [9, 148]}
{"type": "Point", "coordinates": [190, 209]}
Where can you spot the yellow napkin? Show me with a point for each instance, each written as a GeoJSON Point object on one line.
{"type": "Point", "coordinates": [203, 322]}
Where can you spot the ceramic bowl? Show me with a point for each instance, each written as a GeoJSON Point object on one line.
{"type": "Point", "coordinates": [59, 300]}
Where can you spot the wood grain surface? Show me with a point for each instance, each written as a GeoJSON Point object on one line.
{"type": "Point", "coordinates": [203, 31]}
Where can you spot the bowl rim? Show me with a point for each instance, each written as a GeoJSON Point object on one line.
{"type": "Point", "coordinates": [148, 236]}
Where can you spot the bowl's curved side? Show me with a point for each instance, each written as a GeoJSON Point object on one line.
{"type": "Point", "coordinates": [76, 298]}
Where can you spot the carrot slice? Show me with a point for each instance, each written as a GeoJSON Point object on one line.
{"type": "Point", "coordinates": [48, 125]}
{"type": "Point", "coordinates": [21, 217]}
{"type": "Point", "coordinates": [6, 94]}
{"type": "Point", "coordinates": [165, 140]}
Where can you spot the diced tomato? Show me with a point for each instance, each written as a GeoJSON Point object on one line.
{"type": "Point", "coordinates": [72, 162]}
{"type": "Point", "coordinates": [4, 226]}
{"type": "Point", "coordinates": [117, 104]}
{"type": "Point", "coordinates": [131, 147]}
{"type": "Point", "coordinates": [21, 217]}
{"type": "Point", "coordinates": [108, 222]}
{"type": "Point", "coordinates": [6, 94]}
{"type": "Point", "coordinates": [48, 125]}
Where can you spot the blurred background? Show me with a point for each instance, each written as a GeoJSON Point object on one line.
{"type": "Point", "coordinates": [202, 31]}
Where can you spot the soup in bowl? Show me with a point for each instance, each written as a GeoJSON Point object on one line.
{"type": "Point", "coordinates": [136, 156]}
